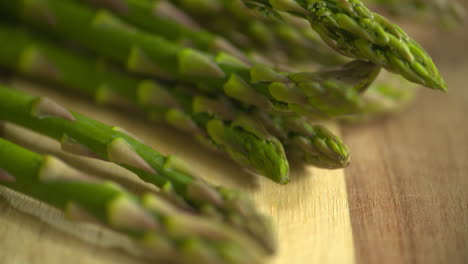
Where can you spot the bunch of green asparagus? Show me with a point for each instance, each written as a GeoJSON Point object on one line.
{"type": "Point", "coordinates": [247, 78]}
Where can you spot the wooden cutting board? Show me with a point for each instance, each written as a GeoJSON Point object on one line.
{"type": "Point", "coordinates": [404, 198]}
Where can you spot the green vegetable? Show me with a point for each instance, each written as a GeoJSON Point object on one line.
{"type": "Point", "coordinates": [355, 31]}
{"type": "Point", "coordinates": [310, 144]}
{"type": "Point", "coordinates": [82, 135]}
{"type": "Point", "coordinates": [162, 18]}
{"type": "Point", "coordinates": [144, 53]}
{"type": "Point", "coordinates": [201, 116]}
{"type": "Point", "coordinates": [165, 231]}
{"type": "Point", "coordinates": [390, 94]}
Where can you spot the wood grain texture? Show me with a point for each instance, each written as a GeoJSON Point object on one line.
{"type": "Point", "coordinates": [311, 213]}
{"type": "Point", "coordinates": [408, 184]}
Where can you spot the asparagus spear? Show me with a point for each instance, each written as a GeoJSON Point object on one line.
{"type": "Point", "coordinates": [224, 26]}
{"type": "Point", "coordinates": [163, 18]}
{"type": "Point", "coordinates": [82, 135]}
{"type": "Point", "coordinates": [30, 56]}
{"type": "Point", "coordinates": [314, 145]}
{"type": "Point", "coordinates": [165, 230]}
{"type": "Point", "coordinates": [352, 29]}
{"type": "Point", "coordinates": [387, 95]}
{"type": "Point", "coordinates": [232, 16]}
{"type": "Point", "coordinates": [302, 47]}
{"type": "Point", "coordinates": [310, 144]}
{"type": "Point", "coordinates": [230, 133]}
{"type": "Point", "coordinates": [267, 35]}
{"type": "Point", "coordinates": [321, 54]}
{"type": "Point", "coordinates": [103, 169]}
{"type": "Point", "coordinates": [259, 85]}
{"type": "Point", "coordinates": [300, 42]}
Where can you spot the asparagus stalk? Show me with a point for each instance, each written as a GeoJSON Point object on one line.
{"type": "Point", "coordinates": [30, 56]}
{"type": "Point", "coordinates": [224, 26]}
{"type": "Point", "coordinates": [267, 35]}
{"type": "Point", "coordinates": [302, 48]}
{"type": "Point", "coordinates": [82, 135]}
{"type": "Point", "coordinates": [229, 18]}
{"type": "Point", "coordinates": [162, 18]}
{"type": "Point", "coordinates": [300, 43]}
{"type": "Point", "coordinates": [166, 231]}
{"type": "Point", "coordinates": [314, 145]}
{"type": "Point", "coordinates": [103, 169]}
{"type": "Point", "coordinates": [140, 52]}
{"type": "Point", "coordinates": [387, 95]}
{"type": "Point", "coordinates": [319, 52]}
{"type": "Point", "coordinates": [355, 31]}
{"type": "Point", "coordinates": [232, 133]}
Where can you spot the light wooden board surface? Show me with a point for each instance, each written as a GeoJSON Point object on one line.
{"type": "Point", "coordinates": [404, 199]}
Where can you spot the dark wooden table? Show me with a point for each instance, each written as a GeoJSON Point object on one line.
{"type": "Point", "coordinates": [408, 184]}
